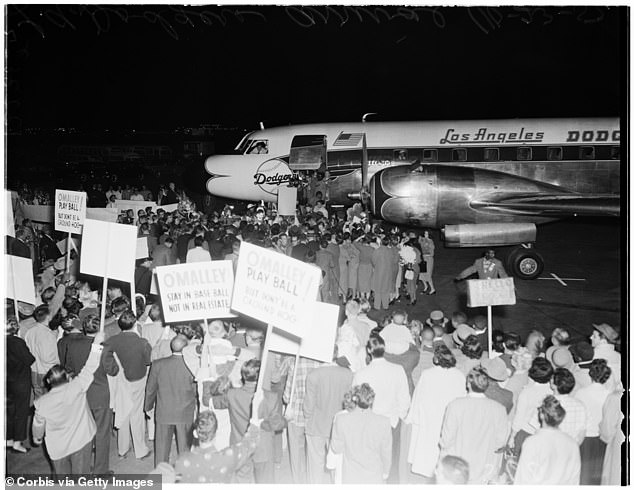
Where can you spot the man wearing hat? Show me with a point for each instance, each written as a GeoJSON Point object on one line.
{"type": "Point", "coordinates": [497, 372]}
{"type": "Point", "coordinates": [48, 246]}
{"type": "Point", "coordinates": [603, 338]}
{"type": "Point", "coordinates": [438, 323]}
{"type": "Point", "coordinates": [487, 267]}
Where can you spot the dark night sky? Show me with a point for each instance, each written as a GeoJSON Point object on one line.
{"type": "Point", "coordinates": [155, 67]}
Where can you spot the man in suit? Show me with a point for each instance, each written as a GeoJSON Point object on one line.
{"type": "Point", "coordinates": [134, 354]}
{"type": "Point", "coordinates": [111, 325]}
{"type": "Point", "coordinates": [98, 394]}
{"type": "Point", "coordinates": [48, 246]}
{"type": "Point", "coordinates": [164, 254]}
{"type": "Point", "coordinates": [239, 401]}
{"type": "Point", "coordinates": [171, 389]}
{"type": "Point", "coordinates": [325, 390]}
{"type": "Point", "coordinates": [19, 246]}
{"type": "Point", "coordinates": [487, 267]}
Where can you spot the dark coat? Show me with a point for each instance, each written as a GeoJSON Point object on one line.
{"type": "Point", "coordinates": [170, 386]}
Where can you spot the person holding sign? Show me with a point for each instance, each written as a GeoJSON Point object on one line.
{"type": "Point", "coordinates": [487, 267]}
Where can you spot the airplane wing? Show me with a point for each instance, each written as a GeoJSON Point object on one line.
{"type": "Point", "coordinates": [556, 205]}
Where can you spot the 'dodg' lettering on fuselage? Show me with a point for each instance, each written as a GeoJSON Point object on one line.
{"type": "Point", "coordinates": [277, 179]}
{"type": "Point", "coordinates": [594, 135]}
{"type": "Point", "coordinates": [485, 136]}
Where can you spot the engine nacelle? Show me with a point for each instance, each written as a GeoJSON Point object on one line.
{"type": "Point", "coordinates": [437, 195]}
{"type": "Point", "coordinates": [489, 234]}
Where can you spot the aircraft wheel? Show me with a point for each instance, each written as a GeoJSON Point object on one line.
{"type": "Point", "coordinates": [525, 263]}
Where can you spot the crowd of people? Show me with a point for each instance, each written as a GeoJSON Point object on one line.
{"type": "Point", "coordinates": [404, 400]}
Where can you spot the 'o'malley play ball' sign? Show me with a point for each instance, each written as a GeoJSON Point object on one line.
{"type": "Point", "coordinates": [196, 291]}
{"type": "Point", "coordinates": [490, 292]}
{"type": "Point", "coordinates": [275, 288]}
{"type": "Point", "coordinates": [70, 210]}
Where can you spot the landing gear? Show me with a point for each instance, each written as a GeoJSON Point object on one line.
{"type": "Point", "coordinates": [525, 263]}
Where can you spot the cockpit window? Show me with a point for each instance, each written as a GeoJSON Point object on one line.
{"type": "Point", "coordinates": [258, 146]}
{"type": "Point", "coordinates": [245, 142]}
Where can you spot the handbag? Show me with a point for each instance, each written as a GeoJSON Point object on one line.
{"type": "Point", "coordinates": [409, 274]}
{"type": "Point", "coordinates": [423, 265]}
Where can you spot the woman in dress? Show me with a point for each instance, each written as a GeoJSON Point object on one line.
{"type": "Point", "coordinates": [427, 248]}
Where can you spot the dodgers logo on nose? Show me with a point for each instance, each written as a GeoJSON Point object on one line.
{"type": "Point", "coordinates": [271, 174]}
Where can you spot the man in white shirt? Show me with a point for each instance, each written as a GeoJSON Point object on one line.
{"type": "Point", "coordinates": [392, 398]}
{"type": "Point", "coordinates": [198, 253]}
{"type": "Point", "coordinates": [42, 342]}
{"type": "Point", "coordinates": [550, 457]}
{"type": "Point", "coordinates": [396, 335]}
{"type": "Point", "coordinates": [136, 195]}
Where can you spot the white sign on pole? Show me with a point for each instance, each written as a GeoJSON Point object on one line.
{"type": "Point", "coordinates": [168, 208]}
{"type": "Point", "coordinates": [142, 251]}
{"type": "Point", "coordinates": [490, 292]}
{"type": "Point", "coordinates": [319, 338]}
{"type": "Point", "coordinates": [196, 291]}
{"type": "Point", "coordinates": [20, 279]}
{"type": "Point", "coordinates": [286, 201]}
{"type": "Point", "coordinates": [70, 210]}
{"type": "Point", "coordinates": [103, 214]}
{"type": "Point", "coordinates": [104, 257]}
{"type": "Point", "coordinates": [9, 213]}
{"type": "Point", "coordinates": [275, 288]}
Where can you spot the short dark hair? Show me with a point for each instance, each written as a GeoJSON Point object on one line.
{"type": "Point", "coordinates": [551, 411]}
{"type": "Point", "coordinates": [512, 341]}
{"type": "Point", "coordinates": [600, 371]}
{"type": "Point", "coordinates": [41, 312]}
{"type": "Point", "coordinates": [198, 241]}
{"type": "Point", "coordinates": [443, 357]}
{"type": "Point", "coordinates": [541, 370]}
{"type": "Point", "coordinates": [55, 376]}
{"type": "Point", "coordinates": [206, 426]}
{"type": "Point", "coordinates": [91, 324]}
{"type": "Point", "coordinates": [127, 320]}
{"type": "Point", "coordinates": [250, 370]}
{"type": "Point", "coordinates": [71, 305]}
{"type": "Point", "coordinates": [472, 348]}
{"type": "Point", "coordinates": [47, 294]}
{"type": "Point", "coordinates": [119, 305]}
{"type": "Point", "coordinates": [478, 380]}
{"type": "Point", "coordinates": [361, 396]}
{"type": "Point", "coordinates": [375, 346]}
{"type": "Point", "coordinates": [563, 380]}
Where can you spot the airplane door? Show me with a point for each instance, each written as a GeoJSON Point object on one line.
{"type": "Point", "coordinates": [308, 152]}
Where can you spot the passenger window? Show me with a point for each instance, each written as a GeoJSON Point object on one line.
{"type": "Point", "coordinates": [554, 153]}
{"type": "Point", "coordinates": [524, 153]}
{"type": "Point", "coordinates": [491, 154]}
{"type": "Point", "coordinates": [586, 153]}
{"type": "Point", "coordinates": [430, 155]}
{"type": "Point", "coordinates": [259, 146]}
{"type": "Point", "coordinates": [459, 154]}
{"type": "Point", "coordinates": [400, 155]}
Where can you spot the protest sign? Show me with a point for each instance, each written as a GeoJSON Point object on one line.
{"type": "Point", "coordinates": [142, 251]}
{"type": "Point", "coordinates": [9, 214]}
{"type": "Point", "coordinates": [318, 341]}
{"type": "Point", "coordinates": [70, 210]}
{"type": "Point", "coordinates": [196, 291]}
{"type": "Point", "coordinates": [20, 285]}
{"type": "Point", "coordinates": [274, 288]}
{"type": "Point", "coordinates": [125, 204]}
{"type": "Point", "coordinates": [490, 292]}
{"type": "Point", "coordinates": [103, 214]}
{"type": "Point", "coordinates": [108, 250]}
{"type": "Point", "coordinates": [286, 201]}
